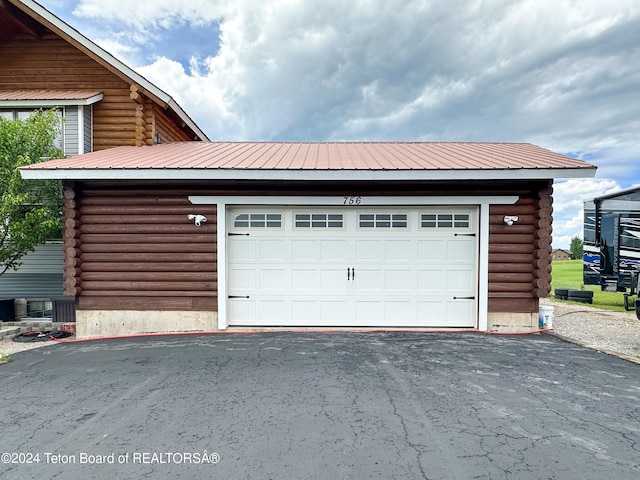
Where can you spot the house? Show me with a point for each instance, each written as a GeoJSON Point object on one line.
{"type": "Point", "coordinates": [561, 254]}
{"type": "Point", "coordinates": [45, 63]}
{"type": "Point", "coordinates": [202, 236]}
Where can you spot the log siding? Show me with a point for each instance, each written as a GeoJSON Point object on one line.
{"type": "Point", "coordinates": [520, 254]}
{"type": "Point", "coordinates": [138, 250]}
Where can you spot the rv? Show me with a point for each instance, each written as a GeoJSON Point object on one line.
{"type": "Point", "coordinates": [612, 243]}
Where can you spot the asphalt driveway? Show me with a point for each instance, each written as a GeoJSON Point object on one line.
{"type": "Point", "coordinates": [322, 405]}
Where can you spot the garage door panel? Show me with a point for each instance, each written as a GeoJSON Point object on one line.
{"type": "Point", "coordinates": [368, 280]}
{"type": "Point", "coordinates": [431, 280]}
{"type": "Point", "coordinates": [369, 251]}
{"type": "Point", "coordinates": [460, 281]}
{"type": "Point", "coordinates": [399, 280]}
{"type": "Point", "coordinates": [335, 251]}
{"type": "Point", "coordinates": [335, 312]}
{"type": "Point", "coordinates": [242, 279]}
{"type": "Point", "coordinates": [305, 279]}
{"type": "Point", "coordinates": [369, 312]}
{"type": "Point", "coordinates": [332, 280]}
{"type": "Point", "coordinates": [305, 251]}
{"type": "Point", "coordinates": [431, 251]}
{"type": "Point", "coordinates": [461, 251]}
{"type": "Point", "coordinates": [242, 311]}
{"type": "Point", "coordinates": [274, 279]}
{"type": "Point", "coordinates": [242, 250]}
{"type": "Point", "coordinates": [396, 312]}
{"type": "Point", "coordinates": [402, 251]}
{"type": "Point", "coordinates": [273, 250]}
{"type": "Point", "coordinates": [457, 310]}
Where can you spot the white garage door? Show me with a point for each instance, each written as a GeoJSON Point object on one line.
{"type": "Point", "coordinates": [365, 267]}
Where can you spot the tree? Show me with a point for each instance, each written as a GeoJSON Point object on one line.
{"type": "Point", "coordinates": [576, 248]}
{"type": "Point", "coordinates": [29, 210]}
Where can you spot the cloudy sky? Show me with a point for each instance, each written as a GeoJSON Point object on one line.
{"type": "Point", "coordinates": [562, 74]}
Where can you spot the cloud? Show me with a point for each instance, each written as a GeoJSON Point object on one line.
{"type": "Point", "coordinates": [568, 200]}
{"type": "Point", "coordinates": [552, 72]}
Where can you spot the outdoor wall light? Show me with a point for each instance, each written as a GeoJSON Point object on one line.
{"type": "Point", "coordinates": [197, 219]}
{"type": "Point", "coordinates": [510, 219]}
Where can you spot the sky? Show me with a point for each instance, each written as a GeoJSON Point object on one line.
{"type": "Point", "coordinates": [561, 74]}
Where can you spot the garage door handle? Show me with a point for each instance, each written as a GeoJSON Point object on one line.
{"type": "Point", "coordinates": [238, 296]}
{"type": "Point", "coordinates": [231, 234]}
{"type": "Point", "coordinates": [348, 274]}
{"type": "Point", "coordinates": [464, 298]}
{"type": "Point", "coordinates": [464, 234]}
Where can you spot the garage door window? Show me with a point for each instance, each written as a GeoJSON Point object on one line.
{"type": "Point", "coordinates": [382, 220]}
{"type": "Point", "coordinates": [319, 220]}
{"type": "Point", "coordinates": [445, 220]}
{"type": "Point", "coordinates": [257, 220]}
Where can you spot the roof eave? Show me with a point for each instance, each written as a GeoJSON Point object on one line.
{"type": "Point", "coordinates": [51, 102]}
{"type": "Point", "coordinates": [76, 38]}
{"type": "Point", "coordinates": [303, 175]}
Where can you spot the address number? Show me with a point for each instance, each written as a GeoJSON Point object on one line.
{"type": "Point", "coordinates": [352, 200]}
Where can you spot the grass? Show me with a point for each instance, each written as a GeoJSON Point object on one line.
{"type": "Point", "coordinates": [4, 358]}
{"type": "Point", "coordinates": [568, 274]}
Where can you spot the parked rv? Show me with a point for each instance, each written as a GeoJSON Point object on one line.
{"type": "Point", "coordinates": [612, 244]}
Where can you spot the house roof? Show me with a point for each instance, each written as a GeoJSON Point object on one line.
{"type": "Point", "coordinates": [48, 98]}
{"type": "Point", "coordinates": [316, 161]}
{"type": "Point", "coordinates": [35, 11]}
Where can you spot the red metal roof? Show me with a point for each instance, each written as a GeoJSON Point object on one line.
{"type": "Point", "coordinates": [314, 157]}
{"type": "Point", "coordinates": [34, 95]}
{"type": "Point", "coordinates": [321, 156]}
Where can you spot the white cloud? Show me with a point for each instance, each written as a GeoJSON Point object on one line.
{"type": "Point", "coordinates": [553, 72]}
{"type": "Point", "coordinates": [568, 200]}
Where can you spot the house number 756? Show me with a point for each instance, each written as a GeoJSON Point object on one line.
{"type": "Point", "coordinates": [352, 200]}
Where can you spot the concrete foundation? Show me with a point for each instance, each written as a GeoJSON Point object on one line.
{"type": "Point", "coordinates": [512, 322]}
{"type": "Point", "coordinates": [107, 323]}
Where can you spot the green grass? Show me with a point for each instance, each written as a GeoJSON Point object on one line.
{"type": "Point", "coordinates": [4, 358]}
{"type": "Point", "coordinates": [568, 274]}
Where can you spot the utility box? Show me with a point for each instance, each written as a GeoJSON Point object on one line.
{"type": "Point", "coordinates": [64, 310]}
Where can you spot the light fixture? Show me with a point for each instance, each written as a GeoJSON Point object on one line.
{"type": "Point", "coordinates": [197, 219]}
{"type": "Point", "coordinates": [510, 219]}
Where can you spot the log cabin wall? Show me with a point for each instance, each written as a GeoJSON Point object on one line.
{"type": "Point", "coordinates": [49, 62]}
{"type": "Point", "coordinates": [520, 254]}
{"type": "Point", "coordinates": [129, 249]}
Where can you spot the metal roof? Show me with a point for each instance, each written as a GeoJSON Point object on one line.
{"type": "Point", "coordinates": [20, 98]}
{"type": "Point", "coordinates": [316, 161]}
{"type": "Point", "coordinates": [52, 22]}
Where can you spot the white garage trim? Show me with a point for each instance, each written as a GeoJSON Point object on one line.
{"type": "Point", "coordinates": [482, 203]}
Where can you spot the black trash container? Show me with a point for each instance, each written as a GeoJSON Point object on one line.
{"type": "Point", "coordinates": [7, 309]}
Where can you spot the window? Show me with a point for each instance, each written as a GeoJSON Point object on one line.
{"type": "Point", "coordinates": [445, 220]}
{"type": "Point", "coordinates": [23, 114]}
{"type": "Point", "coordinates": [318, 220]}
{"type": "Point", "coordinates": [257, 220]}
{"type": "Point", "coordinates": [383, 220]}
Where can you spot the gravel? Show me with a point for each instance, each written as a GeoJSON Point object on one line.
{"type": "Point", "coordinates": [616, 333]}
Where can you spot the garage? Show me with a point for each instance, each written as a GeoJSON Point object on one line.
{"type": "Point", "coordinates": [210, 236]}
{"type": "Point", "coordinates": [352, 266]}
